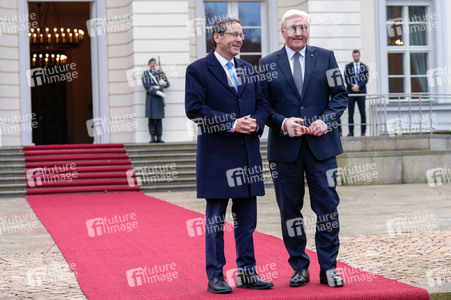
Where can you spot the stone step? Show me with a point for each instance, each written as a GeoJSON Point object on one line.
{"type": "Point", "coordinates": [12, 173]}
{"type": "Point", "coordinates": [13, 186]}
{"type": "Point", "coordinates": [183, 162]}
{"type": "Point", "coordinates": [12, 180]}
{"type": "Point", "coordinates": [12, 168]}
{"type": "Point", "coordinates": [13, 193]}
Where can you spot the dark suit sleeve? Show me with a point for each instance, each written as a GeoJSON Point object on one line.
{"type": "Point", "coordinates": [347, 76]}
{"type": "Point", "coordinates": [274, 119]}
{"type": "Point", "coordinates": [261, 113]}
{"type": "Point", "coordinates": [195, 103]}
{"type": "Point", "coordinates": [364, 76]}
{"type": "Point", "coordinates": [338, 99]}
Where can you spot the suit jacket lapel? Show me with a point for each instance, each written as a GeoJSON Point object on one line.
{"type": "Point", "coordinates": [218, 71]}
{"type": "Point", "coordinates": [310, 60]}
{"type": "Point", "coordinates": [282, 61]}
{"type": "Point", "coordinates": [241, 75]}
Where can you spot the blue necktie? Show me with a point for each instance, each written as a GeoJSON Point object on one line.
{"type": "Point", "coordinates": [232, 75]}
{"type": "Point", "coordinates": [357, 73]}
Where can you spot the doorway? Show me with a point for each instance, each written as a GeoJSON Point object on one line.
{"type": "Point", "coordinates": [60, 72]}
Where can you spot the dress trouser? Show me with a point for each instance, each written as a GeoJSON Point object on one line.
{"type": "Point", "coordinates": [244, 212]}
{"type": "Point", "coordinates": [351, 108]}
{"type": "Point", "coordinates": [155, 127]}
{"type": "Point", "coordinates": [290, 189]}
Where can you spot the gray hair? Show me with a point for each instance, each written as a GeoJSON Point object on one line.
{"type": "Point", "coordinates": [220, 26]}
{"type": "Point", "coordinates": [294, 12]}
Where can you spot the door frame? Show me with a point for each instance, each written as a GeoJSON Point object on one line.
{"type": "Point", "coordinates": [99, 70]}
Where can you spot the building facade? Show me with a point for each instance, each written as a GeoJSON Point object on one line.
{"type": "Point", "coordinates": [99, 97]}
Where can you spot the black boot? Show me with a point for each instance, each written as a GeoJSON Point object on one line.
{"type": "Point", "coordinates": [153, 139]}
{"type": "Point", "coordinates": [159, 140]}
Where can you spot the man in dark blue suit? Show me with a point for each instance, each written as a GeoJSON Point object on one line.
{"type": "Point", "coordinates": [356, 77]}
{"type": "Point", "coordinates": [224, 98]}
{"type": "Point", "coordinates": [307, 96]}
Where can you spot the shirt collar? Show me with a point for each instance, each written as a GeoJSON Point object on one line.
{"type": "Point", "coordinates": [222, 60]}
{"type": "Point", "coordinates": [291, 52]}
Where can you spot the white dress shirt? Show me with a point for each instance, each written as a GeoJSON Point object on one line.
{"type": "Point", "coordinates": [356, 68]}
{"type": "Point", "coordinates": [290, 54]}
{"type": "Point", "coordinates": [224, 62]}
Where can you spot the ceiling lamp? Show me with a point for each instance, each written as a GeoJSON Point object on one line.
{"type": "Point", "coordinates": [57, 37]}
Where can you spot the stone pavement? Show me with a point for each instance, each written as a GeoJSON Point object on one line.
{"type": "Point", "coordinates": [402, 232]}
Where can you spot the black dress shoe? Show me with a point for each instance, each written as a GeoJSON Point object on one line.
{"type": "Point", "coordinates": [300, 278]}
{"type": "Point", "coordinates": [331, 278]}
{"type": "Point", "coordinates": [218, 286]}
{"type": "Point", "coordinates": [250, 280]}
{"type": "Point", "coordinates": [351, 134]}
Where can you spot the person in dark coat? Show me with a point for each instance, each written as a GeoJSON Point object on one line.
{"type": "Point", "coordinates": [356, 78]}
{"type": "Point", "coordinates": [224, 98]}
{"type": "Point", "coordinates": [306, 100]}
{"type": "Point", "coordinates": [155, 100]}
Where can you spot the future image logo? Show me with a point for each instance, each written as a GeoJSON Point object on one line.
{"type": "Point", "coordinates": [334, 77]}
{"type": "Point", "coordinates": [108, 225]}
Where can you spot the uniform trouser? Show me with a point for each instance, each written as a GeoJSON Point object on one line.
{"type": "Point", "coordinates": [351, 108]}
{"type": "Point", "coordinates": [290, 189]}
{"type": "Point", "coordinates": [155, 127]}
{"type": "Point", "coordinates": [244, 212]}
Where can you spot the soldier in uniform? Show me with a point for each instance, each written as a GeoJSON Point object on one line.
{"type": "Point", "coordinates": [155, 100]}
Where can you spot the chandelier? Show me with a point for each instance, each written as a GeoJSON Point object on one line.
{"type": "Point", "coordinates": [48, 43]}
{"type": "Point", "coordinates": [41, 59]}
{"type": "Point", "coordinates": [61, 37]}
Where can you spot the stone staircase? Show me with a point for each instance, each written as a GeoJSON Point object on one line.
{"type": "Point", "coordinates": [172, 166]}
{"type": "Point", "coordinates": [167, 167]}
{"type": "Point", "coordinates": [13, 182]}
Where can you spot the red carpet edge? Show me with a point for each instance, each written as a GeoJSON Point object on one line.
{"type": "Point", "coordinates": [133, 246]}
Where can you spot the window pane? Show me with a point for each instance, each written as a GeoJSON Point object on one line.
{"type": "Point", "coordinates": [214, 10]}
{"type": "Point", "coordinates": [417, 33]}
{"type": "Point", "coordinates": [419, 84]}
{"type": "Point", "coordinates": [394, 12]}
{"type": "Point", "coordinates": [417, 13]}
{"type": "Point", "coordinates": [395, 64]}
{"type": "Point", "coordinates": [395, 34]}
{"type": "Point", "coordinates": [249, 13]}
{"type": "Point", "coordinates": [252, 59]}
{"type": "Point", "coordinates": [396, 85]}
{"type": "Point", "coordinates": [418, 63]}
{"type": "Point", "coordinates": [253, 40]}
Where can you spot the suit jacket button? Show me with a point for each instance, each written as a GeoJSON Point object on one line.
{"type": "Point", "coordinates": [239, 99]}
{"type": "Point", "coordinates": [302, 107]}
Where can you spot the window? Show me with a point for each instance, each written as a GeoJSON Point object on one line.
{"type": "Point", "coordinates": [249, 12]}
{"type": "Point", "coordinates": [409, 47]}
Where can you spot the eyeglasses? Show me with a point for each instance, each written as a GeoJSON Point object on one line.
{"type": "Point", "coordinates": [302, 29]}
{"type": "Point", "coordinates": [235, 35]}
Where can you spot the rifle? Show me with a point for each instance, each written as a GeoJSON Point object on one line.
{"type": "Point", "coordinates": [160, 76]}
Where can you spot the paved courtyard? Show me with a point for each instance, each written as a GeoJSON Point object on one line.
{"type": "Point", "coordinates": [402, 232]}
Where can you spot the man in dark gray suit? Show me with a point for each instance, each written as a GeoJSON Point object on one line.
{"type": "Point", "coordinates": [155, 99]}
{"type": "Point", "coordinates": [307, 97]}
{"type": "Point", "coordinates": [356, 77]}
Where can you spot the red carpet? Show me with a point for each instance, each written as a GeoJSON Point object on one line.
{"type": "Point", "coordinates": [113, 239]}
{"type": "Point", "coordinates": [80, 168]}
